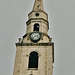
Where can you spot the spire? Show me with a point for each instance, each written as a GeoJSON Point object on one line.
{"type": "Point", "coordinates": [38, 5]}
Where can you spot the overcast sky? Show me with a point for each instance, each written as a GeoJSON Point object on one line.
{"type": "Point", "coordinates": [13, 17]}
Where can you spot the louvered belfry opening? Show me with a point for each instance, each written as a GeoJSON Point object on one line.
{"type": "Point", "coordinates": [33, 60]}
{"type": "Point", "coordinates": [36, 27]}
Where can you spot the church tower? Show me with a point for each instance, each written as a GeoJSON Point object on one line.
{"type": "Point", "coordinates": [35, 52]}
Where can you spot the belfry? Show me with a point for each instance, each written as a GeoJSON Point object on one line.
{"type": "Point", "coordinates": [35, 52]}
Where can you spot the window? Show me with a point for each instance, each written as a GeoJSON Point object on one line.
{"type": "Point", "coordinates": [36, 27]}
{"type": "Point", "coordinates": [33, 60]}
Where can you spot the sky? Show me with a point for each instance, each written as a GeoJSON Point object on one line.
{"type": "Point", "coordinates": [61, 17]}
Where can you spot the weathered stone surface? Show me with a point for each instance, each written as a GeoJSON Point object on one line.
{"type": "Point", "coordinates": [22, 60]}
{"type": "Point", "coordinates": [44, 46]}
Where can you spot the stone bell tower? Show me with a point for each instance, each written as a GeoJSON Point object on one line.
{"type": "Point", "coordinates": [35, 52]}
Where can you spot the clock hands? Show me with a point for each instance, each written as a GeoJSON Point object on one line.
{"type": "Point", "coordinates": [35, 36]}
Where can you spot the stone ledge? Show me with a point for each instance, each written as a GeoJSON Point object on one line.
{"type": "Point", "coordinates": [32, 69]}
{"type": "Point", "coordinates": [33, 44]}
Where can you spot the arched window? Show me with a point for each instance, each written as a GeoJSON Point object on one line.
{"type": "Point", "coordinates": [33, 60]}
{"type": "Point", "coordinates": [36, 27]}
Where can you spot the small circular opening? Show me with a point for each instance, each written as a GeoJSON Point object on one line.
{"type": "Point", "coordinates": [37, 14]}
{"type": "Point", "coordinates": [38, 6]}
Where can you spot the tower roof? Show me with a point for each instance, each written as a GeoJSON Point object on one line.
{"type": "Point", "coordinates": [38, 5]}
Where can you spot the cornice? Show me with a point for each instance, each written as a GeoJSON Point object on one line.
{"type": "Point", "coordinates": [37, 19]}
{"type": "Point", "coordinates": [33, 44]}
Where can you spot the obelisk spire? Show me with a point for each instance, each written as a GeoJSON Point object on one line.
{"type": "Point", "coordinates": [38, 5]}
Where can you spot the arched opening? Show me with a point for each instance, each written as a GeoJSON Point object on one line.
{"type": "Point", "coordinates": [33, 60]}
{"type": "Point", "coordinates": [36, 27]}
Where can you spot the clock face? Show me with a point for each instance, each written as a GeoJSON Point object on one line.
{"type": "Point", "coordinates": [35, 36]}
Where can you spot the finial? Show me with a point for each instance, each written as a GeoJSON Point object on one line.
{"type": "Point", "coordinates": [38, 5]}
{"type": "Point", "coordinates": [19, 40]}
